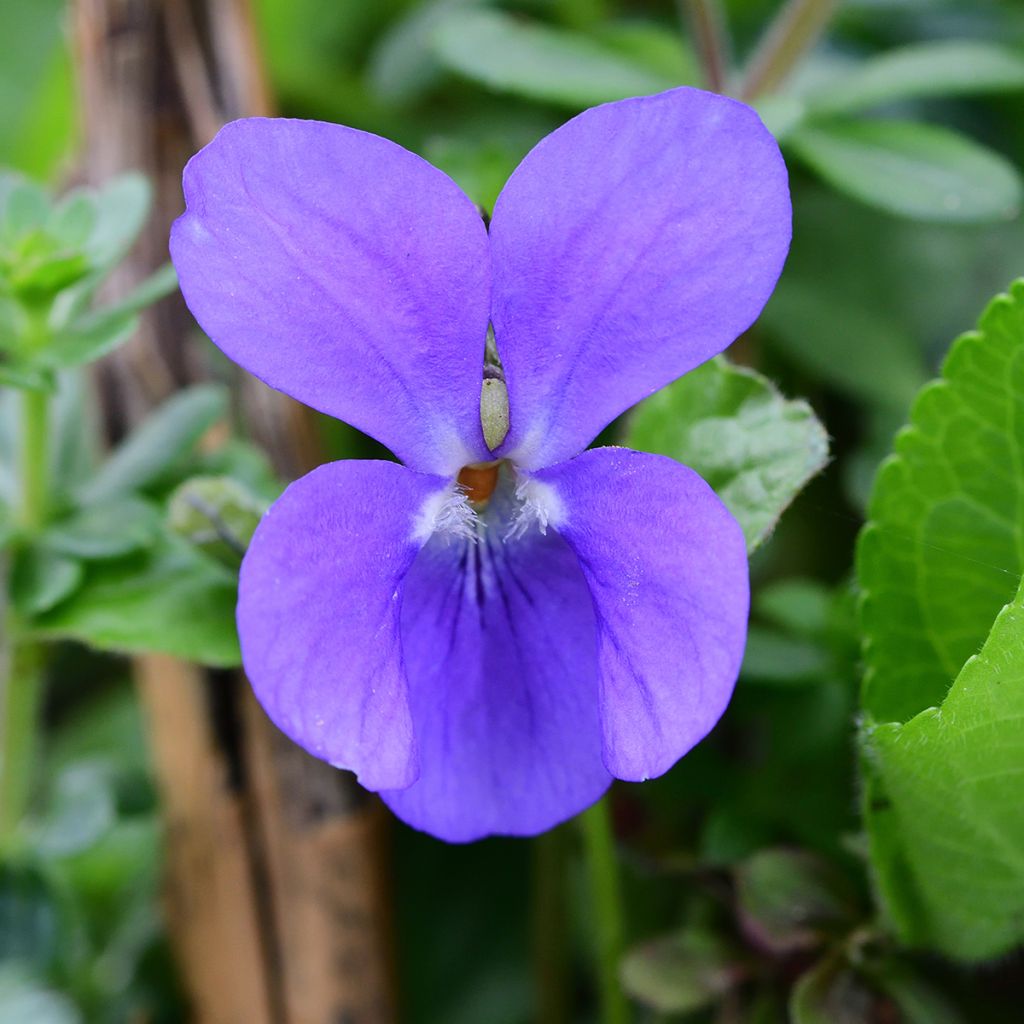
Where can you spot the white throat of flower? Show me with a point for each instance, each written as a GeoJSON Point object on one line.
{"type": "Point", "coordinates": [450, 515]}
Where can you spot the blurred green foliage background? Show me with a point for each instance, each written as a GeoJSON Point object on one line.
{"type": "Point", "coordinates": [882, 275]}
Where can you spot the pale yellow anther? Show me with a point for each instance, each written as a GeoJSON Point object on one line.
{"type": "Point", "coordinates": [494, 411]}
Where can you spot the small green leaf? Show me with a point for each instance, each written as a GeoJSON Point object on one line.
{"type": "Point", "coordinates": [122, 206]}
{"type": "Point", "coordinates": [42, 579]}
{"type": "Point", "coordinates": [754, 447]}
{"type": "Point", "coordinates": [161, 441]}
{"type": "Point", "coordinates": [942, 550]}
{"type": "Point", "coordinates": [791, 900]}
{"type": "Point", "coordinates": [914, 170]}
{"type": "Point", "coordinates": [946, 68]}
{"type": "Point", "coordinates": [107, 529]}
{"type": "Point", "coordinates": [100, 331]}
{"type": "Point", "coordinates": [681, 973]}
{"type": "Point", "coordinates": [171, 599]}
{"type": "Point", "coordinates": [508, 54]}
{"type": "Point", "coordinates": [217, 514]}
{"type": "Point", "coordinates": [832, 993]}
{"type": "Point", "coordinates": [944, 809]}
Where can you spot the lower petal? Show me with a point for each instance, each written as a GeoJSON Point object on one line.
{"type": "Point", "coordinates": [499, 643]}
{"type": "Point", "coordinates": [318, 614]}
{"type": "Point", "coordinates": [667, 569]}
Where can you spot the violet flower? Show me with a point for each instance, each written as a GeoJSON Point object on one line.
{"type": "Point", "coordinates": [488, 654]}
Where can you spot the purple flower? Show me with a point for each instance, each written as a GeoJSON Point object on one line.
{"type": "Point", "coordinates": [489, 654]}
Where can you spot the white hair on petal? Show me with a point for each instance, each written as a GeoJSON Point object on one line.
{"type": "Point", "coordinates": [539, 505]}
{"type": "Point", "coordinates": [448, 513]}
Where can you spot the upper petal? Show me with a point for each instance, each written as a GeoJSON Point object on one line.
{"type": "Point", "coordinates": [318, 614]}
{"type": "Point", "coordinates": [346, 272]}
{"type": "Point", "coordinates": [666, 565]}
{"type": "Point", "coordinates": [500, 649]}
{"type": "Point", "coordinates": [630, 245]}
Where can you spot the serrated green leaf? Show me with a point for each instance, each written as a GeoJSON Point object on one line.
{"type": "Point", "coordinates": [944, 545]}
{"type": "Point", "coordinates": [160, 442]}
{"type": "Point", "coordinates": [910, 169]}
{"type": "Point", "coordinates": [754, 447]}
{"type": "Point", "coordinates": [944, 813]}
{"type": "Point", "coordinates": [171, 599]}
{"type": "Point", "coordinates": [107, 529]}
{"type": "Point", "coordinates": [681, 973]}
{"type": "Point", "coordinates": [41, 579]}
{"type": "Point", "coordinates": [509, 54]}
{"type": "Point", "coordinates": [945, 68]}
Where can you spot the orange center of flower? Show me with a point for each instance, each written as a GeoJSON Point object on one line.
{"type": "Point", "coordinates": [479, 481]}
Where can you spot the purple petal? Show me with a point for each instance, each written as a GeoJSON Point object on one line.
{"type": "Point", "coordinates": [346, 272]}
{"type": "Point", "coordinates": [631, 245]}
{"type": "Point", "coordinates": [500, 653]}
{"type": "Point", "coordinates": [318, 614]}
{"type": "Point", "coordinates": [666, 566]}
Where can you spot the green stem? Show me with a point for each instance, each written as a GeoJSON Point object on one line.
{"type": "Point", "coordinates": [706, 26]}
{"type": "Point", "coordinates": [795, 29]}
{"type": "Point", "coordinates": [550, 928]}
{"type": "Point", "coordinates": [21, 686]}
{"type": "Point", "coordinates": [21, 695]}
{"type": "Point", "coordinates": [35, 459]}
{"type": "Point", "coordinates": [606, 902]}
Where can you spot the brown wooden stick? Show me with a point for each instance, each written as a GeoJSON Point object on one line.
{"type": "Point", "coordinates": [277, 898]}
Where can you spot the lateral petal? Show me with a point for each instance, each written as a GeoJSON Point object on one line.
{"type": "Point", "coordinates": [318, 614]}
{"type": "Point", "coordinates": [666, 566]}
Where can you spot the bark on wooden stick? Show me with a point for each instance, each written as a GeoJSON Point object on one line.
{"type": "Point", "coordinates": [277, 897]}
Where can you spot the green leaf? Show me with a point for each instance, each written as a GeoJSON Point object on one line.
{"type": "Point", "coordinates": [945, 815]}
{"type": "Point", "coordinates": [216, 514]}
{"type": "Point", "coordinates": [107, 529]}
{"type": "Point", "coordinates": [42, 579]}
{"type": "Point", "coordinates": [944, 546]}
{"type": "Point", "coordinates": [772, 657]}
{"type": "Point", "coordinates": [681, 973]}
{"type": "Point", "coordinates": [913, 170]}
{"type": "Point", "coordinates": [832, 993]}
{"type": "Point", "coordinates": [791, 900]}
{"type": "Point", "coordinates": [857, 350]}
{"type": "Point", "coordinates": [508, 54]}
{"type": "Point", "coordinates": [754, 447]}
{"type": "Point", "coordinates": [947, 68]}
{"type": "Point", "coordinates": [159, 443]}
{"type": "Point", "coordinates": [171, 599]}
{"type": "Point", "coordinates": [122, 206]}
{"type": "Point", "coordinates": [100, 331]}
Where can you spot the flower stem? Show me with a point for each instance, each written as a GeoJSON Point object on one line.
{"type": "Point", "coordinates": [606, 901]}
{"type": "Point", "coordinates": [550, 928]}
{"type": "Point", "coordinates": [707, 27]}
{"type": "Point", "coordinates": [795, 29]}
